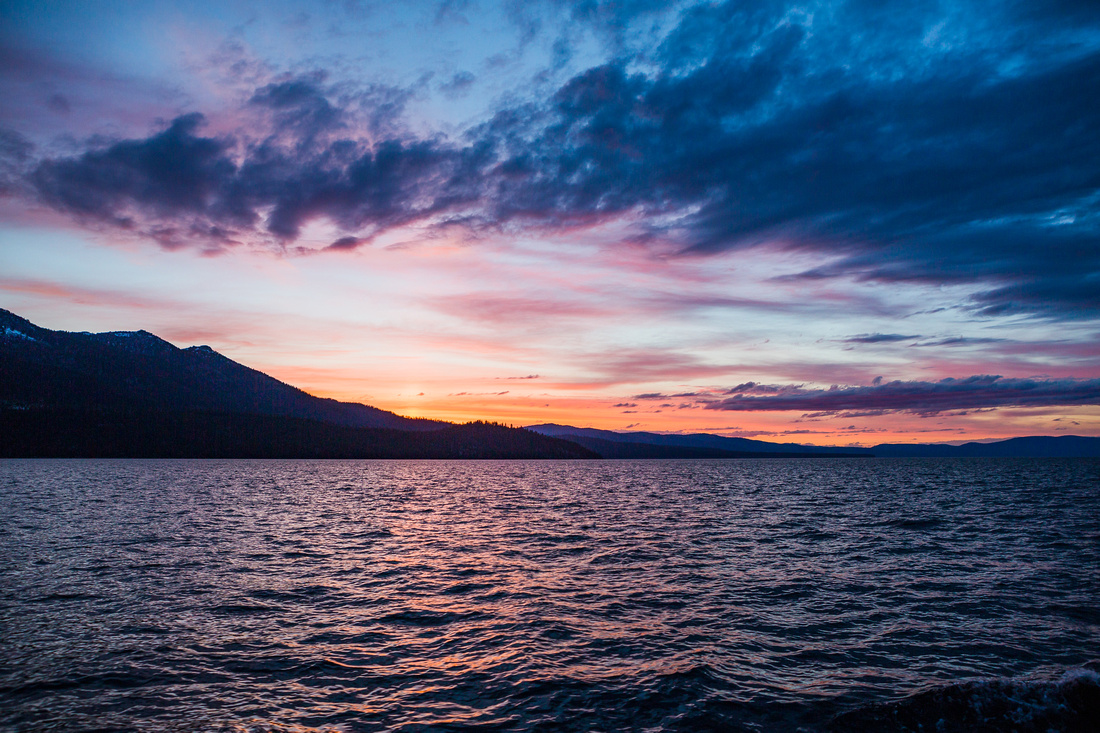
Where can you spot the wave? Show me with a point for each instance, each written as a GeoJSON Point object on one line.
{"type": "Point", "coordinates": [1070, 704]}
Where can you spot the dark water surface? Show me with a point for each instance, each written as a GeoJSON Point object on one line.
{"type": "Point", "coordinates": [601, 595]}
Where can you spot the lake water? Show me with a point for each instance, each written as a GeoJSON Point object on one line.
{"type": "Point", "coordinates": [590, 595]}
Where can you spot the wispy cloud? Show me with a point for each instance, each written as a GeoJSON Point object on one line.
{"type": "Point", "coordinates": [878, 338]}
{"type": "Point", "coordinates": [961, 341]}
{"type": "Point", "coordinates": [87, 296]}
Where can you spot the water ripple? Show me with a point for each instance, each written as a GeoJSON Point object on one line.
{"type": "Point", "coordinates": [443, 596]}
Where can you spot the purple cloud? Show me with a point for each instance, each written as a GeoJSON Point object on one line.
{"type": "Point", "coordinates": [916, 397]}
{"type": "Point", "coordinates": [177, 184]}
{"type": "Point", "coordinates": [345, 243]}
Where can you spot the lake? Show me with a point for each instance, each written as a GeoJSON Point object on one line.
{"type": "Point", "coordinates": [677, 595]}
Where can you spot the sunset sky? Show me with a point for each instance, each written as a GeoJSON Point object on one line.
{"type": "Point", "coordinates": [820, 222]}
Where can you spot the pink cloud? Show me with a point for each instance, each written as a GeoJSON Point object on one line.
{"type": "Point", "coordinates": [83, 295]}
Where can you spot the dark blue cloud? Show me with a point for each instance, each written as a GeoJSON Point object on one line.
{"type": "Point", "coordinates": [299, 106]}
{"type": "Point", "coordinates": [15, 155]}
{"type": "Point", "coordinates": [953, 169]}
{"type": "Point", "coordinates": [458, 85]}
{"type": "Point", "coordinates": [916, 397]}
{"type": "Point", "coordinates": [929, 144]}
{"type": "Point", "coordinates": [173, 173]}
{"type": "Point", "coordinates": [961, 178]}
{"type": "Point", "coordinates": [878, 338]}
{"type": "Point", "coordinates": [178, 184]}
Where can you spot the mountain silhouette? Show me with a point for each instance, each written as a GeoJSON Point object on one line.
{"type": "Point", "coordinates": [135, 370]}
{"type": "Point", "coordinates": [695, 445]}
{"type": "Point", "coordinates": [1033, 446]}
{"type": "Point", "coordinates": [131, 394]}
{"type": "Point", "coordinates": [611, 444]}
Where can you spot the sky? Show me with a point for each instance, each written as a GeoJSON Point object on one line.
{"type": "Point", "coordinates": [837, 223]}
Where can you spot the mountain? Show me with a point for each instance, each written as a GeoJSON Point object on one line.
{"type": "Point", "coordinates": [698, 441]}
{"type": "Point", "coordinates": [135, 370]}
{"type": "Point", "coordinates": [630, 449]}
{"type": "Point", "coordinates": [132, 394]}
{"type": "Point", "coordinates": [1037, 446]}
{"type": "Point", "coordinates": [610, 444]}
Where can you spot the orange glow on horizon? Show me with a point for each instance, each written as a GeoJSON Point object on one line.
{"type": "Point", "coordinates": [603, 413]}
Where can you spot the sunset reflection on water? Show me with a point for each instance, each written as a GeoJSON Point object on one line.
{"type": "Point", "coordinates": [434, 595]}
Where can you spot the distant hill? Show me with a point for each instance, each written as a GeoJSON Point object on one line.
{"type": "Point", "coordinates": [135, 370]}
{"type": "Point", "coordinates": [630, 449]}
{"type": "Point", "coordinates": [705, 441]}
{"type": "Point", "coordinates": [611, 444]}
{"type": "Point", "coordinates": [1037, 446]}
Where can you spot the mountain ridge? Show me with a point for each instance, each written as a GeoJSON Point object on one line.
{"type": "Point", "coordinates": [139, 370]}
{"type": "Point", "coordinates": [1032, 446]}
{"type": "Point", "coordinates": [694, 440]}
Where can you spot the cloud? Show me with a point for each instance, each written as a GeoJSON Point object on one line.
{"type": "Point", "coordinates": [914, 397]}
{"type": "Point", "coordinates": [345, 244]}
{"type": "Point", "coordinates": [519, 310]}
{"type": "Point", "coordinates": [878, 338]}
{"type": "Point", "coordinates": [178, 186]}
{"type": "Point", "coordinates": [299, 105]}
{"type": "Point", "coordinates": [755, 388]}
{"type": "Point", "coordinates": [15, 154]}
{"type": "Point", "coordinates": [890, 150]}
{"type": "Point", "coordinates": [452, 11]}
{"type": "Point", "coordinates": [962, 341]}
{"type": "Point", "coordinates": [88, 296]}
{"type": "Point", "coordinates": [172, 173]}
{"type": "Point", "coordinates": [458, 85]}
{"type": "Point", "coordinates": [752, 134]}
{"type": "Point", "coordinates": [477, 394]}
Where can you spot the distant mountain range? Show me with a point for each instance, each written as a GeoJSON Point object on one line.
{"type": "Point", "coordinates": [610, 444]}
{"type": "Point", "coordinates": [132, 394]}
{"type": "Point", "coordinates": [1036, 446]}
